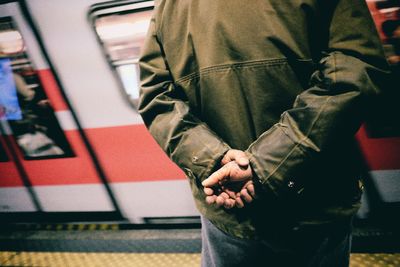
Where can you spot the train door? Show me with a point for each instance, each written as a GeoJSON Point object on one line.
{"type": "Point", "coordinates": [94, 46]}
{"type": "Point", "coordinates": [45, 156]}
{"type": "Point", "coordinates": [120, 30]}
{"type": "Point", "coordinates": [15, 193]}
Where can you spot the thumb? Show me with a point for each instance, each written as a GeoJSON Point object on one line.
{"type": "Point", "coordinates": [236, 155]}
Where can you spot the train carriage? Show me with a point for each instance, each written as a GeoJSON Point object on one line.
{"type": "Point", "coordinates": [73, 146]}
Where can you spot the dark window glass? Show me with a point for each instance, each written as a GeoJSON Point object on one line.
{"type": "Point", "coordinates": [23, 102]}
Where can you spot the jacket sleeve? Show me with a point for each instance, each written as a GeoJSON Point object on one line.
{"type": "Point", "coordinates": [343, 87]}
{"type": "Point", "coordinates": [164, 108]}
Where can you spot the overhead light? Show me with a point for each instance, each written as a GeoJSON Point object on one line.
{"type": "Point", "coordinates": [122, 30]}
{"type": "Point", "coordinates": [11, 42]}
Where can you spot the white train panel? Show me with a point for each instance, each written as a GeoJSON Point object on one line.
{"type": "Point", "coordinates": [73, 198]}
{"type": "Point", "coordinates": [16, 199]}
{"type": "Point", "coordinates": [76, 54]}
{"type": "Point", "coordinates": [154, 199]}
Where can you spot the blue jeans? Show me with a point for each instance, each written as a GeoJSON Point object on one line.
{"type": "Point", "coordinates": [305, 246]}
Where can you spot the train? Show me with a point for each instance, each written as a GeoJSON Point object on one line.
{"type": "Point", "coordinates": [73, 146]}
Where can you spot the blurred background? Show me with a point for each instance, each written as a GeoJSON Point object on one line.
{"type": "Point", "coordinates": [78, 170]}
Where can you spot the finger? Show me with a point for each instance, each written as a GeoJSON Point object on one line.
{"type": "Point", "coordinates": [219, 201]}
{"type": "Point", "coordinates": [211, 199]}
{"type": "Point", "coordinates": [224, 195]}
{"type": "Point", "coordinates": [252, 191]}
{"type": "Point", "coordinates": [230, 156]}
{"type": "Point", "coordinates": [208, 191]}
{"type": "Point", "coordinates": [246, 196]}
{"type": "Point", "coordinates": [236, 155]}
{"type": "Point", "coordinates": [216, 177]}
{"type": "Point", "coordinates": [229, 203]}
{"type": "Point", "coordinates": [231, 194]}
{"type": "Point", "coordinates": [239, 203]}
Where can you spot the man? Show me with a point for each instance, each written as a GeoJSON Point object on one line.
{"type": "Point", "coordinates": [263, 98]}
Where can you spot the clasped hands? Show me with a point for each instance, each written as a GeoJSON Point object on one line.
{"type": "Point", "coordinates": [231, 185]}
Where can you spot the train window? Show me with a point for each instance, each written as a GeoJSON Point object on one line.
{"type": "Point", "coordinates": [121, 30]}
{"type": "Point", "coordinates": [23, 102]}
{"type": "Point", "coordinates": [386, 15]}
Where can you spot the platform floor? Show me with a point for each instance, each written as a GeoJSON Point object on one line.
{"type": "Point", "coordinates": [139, 247]}
{"type": "Point", "coordinates": [51, 259]}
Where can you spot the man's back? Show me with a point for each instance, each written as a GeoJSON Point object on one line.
{"type": "Point", "coordinates": [237, 60]}
{"type": "Point", "coordinates": [280, 79]}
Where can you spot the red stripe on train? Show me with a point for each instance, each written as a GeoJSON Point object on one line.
{"type": "Point", "coordinates": [58, 171]}
{"type": "Point", "coordinates": [9, 175]}
{"type": "Point", "coordinates": [126, 153]}
{"type": "Point", "coordinates": [52, 90]}
{"type": "Point", "coordinates": [129, 153]}
{"type": "Point", "coordinates": [380, 153]}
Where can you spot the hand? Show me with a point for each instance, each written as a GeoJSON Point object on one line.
{"type": "Point", "coordinates": [232, 184]}
{"type": "Point", "coordinates": [228, 197]}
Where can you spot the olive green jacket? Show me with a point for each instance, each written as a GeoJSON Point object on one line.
{"type": "Point", "coordinates": [288, 81]}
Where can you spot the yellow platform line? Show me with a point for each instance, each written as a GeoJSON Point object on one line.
{"type": "Point", "coordinates": [70, 227]}
{"type": "Point", "coordinates": [61, 259]}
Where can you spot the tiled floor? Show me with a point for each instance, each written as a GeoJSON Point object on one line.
{"type": "Point", "coordinates": [113, 248]}
{"type": "Point", "coordinates": [55, 259]}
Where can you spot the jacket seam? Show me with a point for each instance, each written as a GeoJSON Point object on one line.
{"type": "Point", "coordinates": [286, 157]}
{"type": "Point", "coordinates": [301, 142]}
{"type": "Point", "coordinates": [306, 136]}
{"type": "Point", "coordinates": [239, 65]}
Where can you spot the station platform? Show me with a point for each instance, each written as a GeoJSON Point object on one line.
{"type": "Point", "coordinates": [115, 245]}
